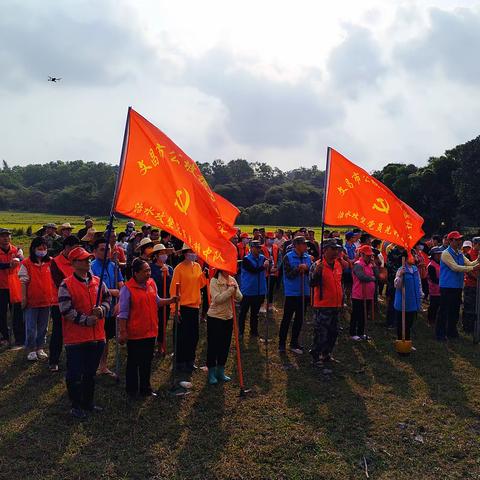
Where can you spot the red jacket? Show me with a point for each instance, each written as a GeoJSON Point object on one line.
{"type": "Point", "coordinates": [331, 287]}
{"type": "Point", "coordinates": [83, 301]}
{"type": "Point", "coordinates": [143, 318]}
{"type": "Point", "coordinates": [41, 291]}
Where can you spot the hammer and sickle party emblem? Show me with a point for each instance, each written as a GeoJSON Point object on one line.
{"type": "Point", "coordinates": [381, 205]}
{"type": "Point", "coordinates": [182, 203]}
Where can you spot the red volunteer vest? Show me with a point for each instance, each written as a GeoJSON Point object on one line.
{"type": "Point", "coordinates": [63, 265]}
{"type": "Point", "coordinates": [83, 300]}
{"type": "Point", "coordinates": [242, 250]}
{"type": "Point", "coordinates": [9, 277]}
{"type": "Point", "coordinates": [41, 291]}
{"type": "Point", "coordinates": [332, 292]}
{"type": "Point", "coordinates": [274, 255]}
{"type": "Point", "coordinates": [471, 279]}
{"type": "Point", "coordinates": [143, 318]}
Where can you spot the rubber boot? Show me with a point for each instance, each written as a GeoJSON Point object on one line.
{"type": "Point", "coordinates": [220, 374]}
{"type": "Point", "coordinates": [212, 379]}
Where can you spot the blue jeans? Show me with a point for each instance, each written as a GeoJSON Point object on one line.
{"type": "Point", "coordinates": [36, 323]}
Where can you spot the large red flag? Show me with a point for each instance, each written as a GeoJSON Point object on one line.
{"type": "Point", "coordinates": [353, 197]}
{"type": "Point", "coordinates": [160, 184]}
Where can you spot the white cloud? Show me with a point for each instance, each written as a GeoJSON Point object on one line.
{"type": "Point", "coordinates": [271, 81]}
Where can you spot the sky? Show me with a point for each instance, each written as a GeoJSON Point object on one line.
{"type": "Point", "coordinates": [266, 80]}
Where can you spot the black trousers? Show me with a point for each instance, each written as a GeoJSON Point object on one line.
{"type": "Point", "coordinates": [450, 301]}
{"type": "Point", "coordinates": [18, 323]}
{"type": "Point", "coordinates": [82, 364]}
{"type": "Point", "coordinates": [357, 319]}
{"type": "Point", "coordinates": [292, 308]}
{"type": "Point", "coordinates": [56, 338]}
{"type": "Point", "coordinates": [139, 365]}
{"type": "Point", "coordinates": [219, 336]}
{"type": "Point", "coordinates": [252, 303]}
{"type": "Point", "coordinates": [160, 322]}
{"type": "Point", "coordinates": [390, 303]}
{"type": "Point", "coordinates": [188, 333]}
{"type": "Point", "coordinates": [433, 308]}
{"type": "Point", "coordinates": [409, 319]}
{"type": "Point", "coordinates": [271, 288]}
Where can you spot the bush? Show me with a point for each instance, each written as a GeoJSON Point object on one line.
{"type": "Point", "coordinates": [29, 231]}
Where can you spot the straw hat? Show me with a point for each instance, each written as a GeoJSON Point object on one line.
{"type": "Point", "coordinates": [65, 226]}
{"type": "Point", "coordinates": [185, 247]}
{"type": "Point", "coordinates": [143, 242]}
{"type": "Point", "coordinates": [161, 249]}
{"type": "Point", "coordinates": [89, 236]}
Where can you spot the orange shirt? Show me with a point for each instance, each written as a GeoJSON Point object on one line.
{"type": "Point", "coordinates": [191, 279]}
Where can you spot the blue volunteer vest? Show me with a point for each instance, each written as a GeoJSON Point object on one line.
{"type": "Point", "coordinates": [413, 296]}
{"type": "Point", "coordinates": [293, 285]}
{"type": "Point", "coordinates": [449, 278]}
{"type": "Point", "coordinates": [253, 283]}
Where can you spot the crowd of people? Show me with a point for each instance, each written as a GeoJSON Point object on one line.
{"type": "Point", "coordinates": [98, 285]}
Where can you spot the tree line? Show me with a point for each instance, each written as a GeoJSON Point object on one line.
{"type": "Point", "coordinates": [444, 191]}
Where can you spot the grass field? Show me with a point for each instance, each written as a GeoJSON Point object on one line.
{"type": "Point", "coordinates": [415, 417]}
{"type": "Point", "coordinates": [21, 220]}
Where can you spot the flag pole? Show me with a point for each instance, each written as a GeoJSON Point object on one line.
{"type": "Point", "coordinates": [110, 222]}
{"type": "Point", "coordinates": [325, 190]}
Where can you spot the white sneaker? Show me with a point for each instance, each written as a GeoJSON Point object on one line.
{"type": "Point", "coordinates": [263, 309]}
{"type": "Point", "coordinates": [355, 338]}
{"type": "Point", "coordinates": [41, 354]}
{"type": "Point", "coordinates": [32, 357]}
{"type": "Point", "coordinates": [296, 350]}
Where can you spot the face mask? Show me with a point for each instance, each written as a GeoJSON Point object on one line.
{"type": "Point", "coordinates": [245, 241]}
{"type": "Point", "coordinates": [40, 253]}
{"type": "Point", "coordinates": [163, 258]}
{"type": "Point", "coordinates": [191, 256]}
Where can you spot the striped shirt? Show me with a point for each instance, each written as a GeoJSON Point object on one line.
{"type": "Point", "coordinates": [68, 310]}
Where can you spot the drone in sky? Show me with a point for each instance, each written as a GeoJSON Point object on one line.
{"type": "Point", "coordinates": [54, 79]}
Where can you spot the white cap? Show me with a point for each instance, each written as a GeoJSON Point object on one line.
{"type": "Point", "coordinates": [467, 243]}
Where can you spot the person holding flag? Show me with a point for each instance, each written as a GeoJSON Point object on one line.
{"type": "Point", "coordinates": [223, 288]}
{"type": "Point", "coordinates": [407, 282]}
{"type": "Point", "coordinates": [83, 330]}
{"type": "Point", "coordinates": [296, 265]}
{"type": "Point", "coordinates": [326, 281]}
